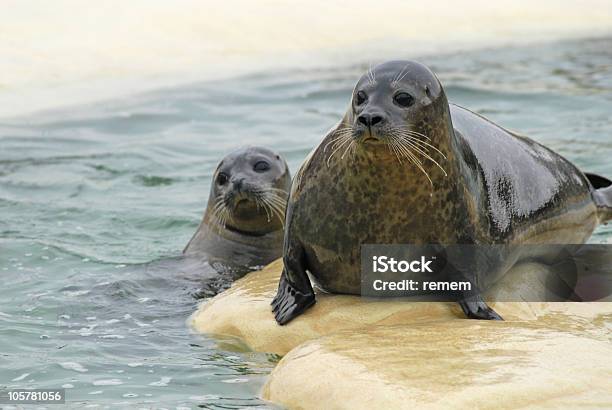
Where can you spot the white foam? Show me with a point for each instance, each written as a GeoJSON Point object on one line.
{"type": "Point", "coordinates": [70, 52]}
{"type": "Point", "coordinates": [111, 337]}
{"type": "Point", "coordinates": [67, 386]}
{"type": "Point", "coordinates": [20, 378]}
{"type": "Point", "coordinates": [107, 382]}
{"type": "Point", "coordinates": [204, 397]}
{"type": "Point", "coordinates": [75, 292]}
{"type": "Point", "coordinates": [237, 380]}
{"type": "Point", "coordinates": [140, 324]}
{"type": "Point", "coordinates": [162, 382]}
{"type": "Point", "coordinates": [77, 367]}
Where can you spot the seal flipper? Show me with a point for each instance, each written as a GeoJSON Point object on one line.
{"type": "Point", "coordinates": [602, 195]}
{"type": "Point", "coordinates": [295, 293]}
{"type": "Point", "coordinates": [597, 181]}
{"type": "Point", "coordinates": [476, 308]}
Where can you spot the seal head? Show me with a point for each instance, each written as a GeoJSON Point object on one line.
{"type": "Point", "coordinates": [398, 114]}
{"type": "Point", "coordinates": [387, 101]}
{"type": "Point", "coordinates": [244, 218]}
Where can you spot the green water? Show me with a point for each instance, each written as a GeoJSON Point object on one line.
{"type": "Point", "coordinates": [90, 195]}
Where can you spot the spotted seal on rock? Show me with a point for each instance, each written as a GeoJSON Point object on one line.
{"type": "Point", "coordinates": [405, 167]}
{"type": "Point", "coordinates": [242, 227]}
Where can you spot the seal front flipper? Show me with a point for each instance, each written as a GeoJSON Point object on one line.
{"type": "Point", "coordinates": [476, 308]}
{"type": "Point", "coordinates": [295, 293]}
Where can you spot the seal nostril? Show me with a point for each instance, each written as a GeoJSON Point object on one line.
{"type": "Point", "coordinates": [364, 119]}
{"type": "Point", "coordinates": [376, 119]}
{"type": "Point", "coordinates": [237, 183]}
{"type": "Point", "coordinates": [369, 120]}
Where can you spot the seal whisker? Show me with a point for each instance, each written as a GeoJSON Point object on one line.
{"type": "Point", "coordinates": [215, 211]}
{"type": "Point", "coordinates": [404, 144]}
{"type": "Point", "coordinates": [410, 144]}
{"type": "Point", "coordinates": [218, 209]}
{"type": "Point", "coordinates": [225, 213]}
{"type": "Point", "coordinates": [265, 207]}
{"type": "Point", "coordinates": [275, 200]}
{"type": "Point", "coordinates": [337, 139]}
{"type": "Point", "coordinates": [271, 188]}
{"type": "Point", "coordinates": [400, 75]}
{"type": "Point", "coordinates": [218, 201]}
{"type": "Point", "coordinates": [413, 158]}
{"type": "Point", "coordinates": [410, 131]}
{"type": "Point", "coordinates": [274, 207]}
{"type": "Point", "coordinates": [280, 213]}
{"type": "Point", "coordinates": [226, 216]}
{"type": "Point", "coordinates": [340, 145]}
{"type": "Point", "coordinates": [409, 134]}
{"type": "Point", "coordinates": [221, 218]}
{"type": "Point", "coordinates": [279, 208]}
{"type": "Point", "coordinates": [403, 151]}
{"type": "Point", "coordinates": [390, 142]}
{"type": "Point", "coordinates": [276, 191]}
{"type": "Point", "coordinates": [371, 76]}
{"type": "Point", "coordinates": [353, 150]}
{"type": "Point", "coordinates": [347, 149]}
{"type": "Point", "coordinates": [281, 200]}
{"type": "Point", "coordinates": [398, 155]}
{"type": "Point", "coordinates": [424, 144]}
{"type": "Point", "coordinates": [343, 129]}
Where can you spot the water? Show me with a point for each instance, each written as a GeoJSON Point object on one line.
{"type": "Point", "coordinates": [96, 203]}
{"type": "Point", "coordinates": [67, 50]}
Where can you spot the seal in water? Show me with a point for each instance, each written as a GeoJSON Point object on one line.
{"type": "Point", "coordinates": [404, 167]}
{"type": "Point", "coordinates": [242, 227]}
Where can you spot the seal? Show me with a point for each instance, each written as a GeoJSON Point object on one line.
{"type": "Point", "coordinates": [405, 167]}
{"type": "Point", "coordinates": [242, 227]}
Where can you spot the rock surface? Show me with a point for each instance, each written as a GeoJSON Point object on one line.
{"type": "Point", "coordinates": [445, 365]}
{"type": "Point", "coordinates": [349, 352]}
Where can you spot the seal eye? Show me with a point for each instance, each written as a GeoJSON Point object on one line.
{"type": "Point", "coordinates": [361, 97]}
{"type": "Point", "coordinates": [261, 166]}
{"type": "Point", "coordinates": [222, 178]}
{"type": "Point", "coordinates": [403, 99]}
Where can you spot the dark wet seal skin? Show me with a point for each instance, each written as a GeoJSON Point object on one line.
{"type": "Point", "coordinates": [242, 227]}
{"type": "Point", "coordinates": [403, 166]}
